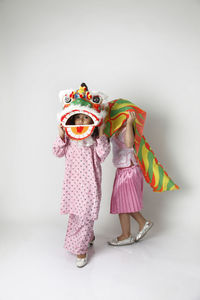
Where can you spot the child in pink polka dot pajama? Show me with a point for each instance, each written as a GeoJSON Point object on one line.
{"type": "Point", "coordinates": [82, 186]}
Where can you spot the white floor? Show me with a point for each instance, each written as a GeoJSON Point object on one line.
{"type": "Point", "coordinates": [34, 265]}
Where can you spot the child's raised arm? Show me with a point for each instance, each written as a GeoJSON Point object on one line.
{"type": "Point", "coordinates": [102, 147]}
{"type": "Point", "coordinates": [61, 132]}
{"type": "Point", "coordinates": [129, 135]}
{"type": "Point", "coordinates": [60, 144]}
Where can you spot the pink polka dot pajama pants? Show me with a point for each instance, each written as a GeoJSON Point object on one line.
{"type": "Point", "coordinates": [79, 234]}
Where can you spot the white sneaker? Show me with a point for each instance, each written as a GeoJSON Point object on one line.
{"type": "Point", "coordinates": [130, 240]}
{"type": "Point", "coordinates": [81, 262]}
{"type": "Point", "coordinates": [144, 230]}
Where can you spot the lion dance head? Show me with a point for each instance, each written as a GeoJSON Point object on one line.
{"type": "Point", "coordinates": [84, 102]}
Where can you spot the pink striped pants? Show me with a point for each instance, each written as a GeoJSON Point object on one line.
{"type": "Point", "coordinates": [79, 234]}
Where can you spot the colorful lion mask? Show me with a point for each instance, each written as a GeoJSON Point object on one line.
{"type": "Point", "coordinates": [81, 102]}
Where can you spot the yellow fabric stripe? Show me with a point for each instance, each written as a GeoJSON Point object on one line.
{"type": "Point", "coordinates": [155, 172]}
{"type": "Point", "coordinates": [173, 188]}
{"type": "Point", "coordinates": [136, 121]}
{"type": "Point", "coordinates": [145, 158]}
{"type": "Point", "coordinates": [165, 182]}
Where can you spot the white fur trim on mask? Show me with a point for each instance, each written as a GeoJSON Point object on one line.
{"type": "Point", "coordinates": [100, 115]}
{"type": "Point", "coordinates": [102, 96]}
{"type": "Point", "coordinates": [63, 93]}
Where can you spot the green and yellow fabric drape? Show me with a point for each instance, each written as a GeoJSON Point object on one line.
{"type": "Point", "coordinates": [153, 171]}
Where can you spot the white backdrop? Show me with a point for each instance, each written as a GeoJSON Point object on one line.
{"type": "Point", "coordinates": [144, 51]}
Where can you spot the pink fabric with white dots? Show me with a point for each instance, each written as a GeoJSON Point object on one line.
{"type": "Point", "coordinates": [79, 234]}
{"type": "Point", "coordinates": [82, 180]}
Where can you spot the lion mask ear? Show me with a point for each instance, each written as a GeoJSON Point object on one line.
{"type": "Point", "coordinates": [68, 92]}
{"type": "Point", "coordinates": [103, 97]}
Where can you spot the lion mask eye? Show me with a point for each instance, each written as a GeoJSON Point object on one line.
{"type": "Point", "coordinates": [67, 99]}
{"type": "Point", "coordinates": [96, 99]}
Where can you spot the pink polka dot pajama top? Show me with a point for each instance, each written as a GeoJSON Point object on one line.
{"type": "Point", "coordinates": [81, 194]}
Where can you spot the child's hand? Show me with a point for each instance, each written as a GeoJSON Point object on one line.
{"type": "Point", "coordinates": [61, 131]}
{"type": "Point", "coordinates": [105, 107]}
{"type": "Point", "coordinates": [101, 128]}
{"type": "Point", "coordinates": [131, 118]}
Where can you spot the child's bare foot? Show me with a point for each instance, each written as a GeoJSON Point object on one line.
{"type": "Point", "coordinates": [123, 237]}
{"type": "Point", "coordinates": [142, 224]}
{"type": "Point", "coordinates": [142, 232]}
{"type": "Point", "coordinates": [81, 260]}
{"type": "Point", "coordinates": [122, 240]}
{"type": "Point", "coordinates": [81, 255]}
